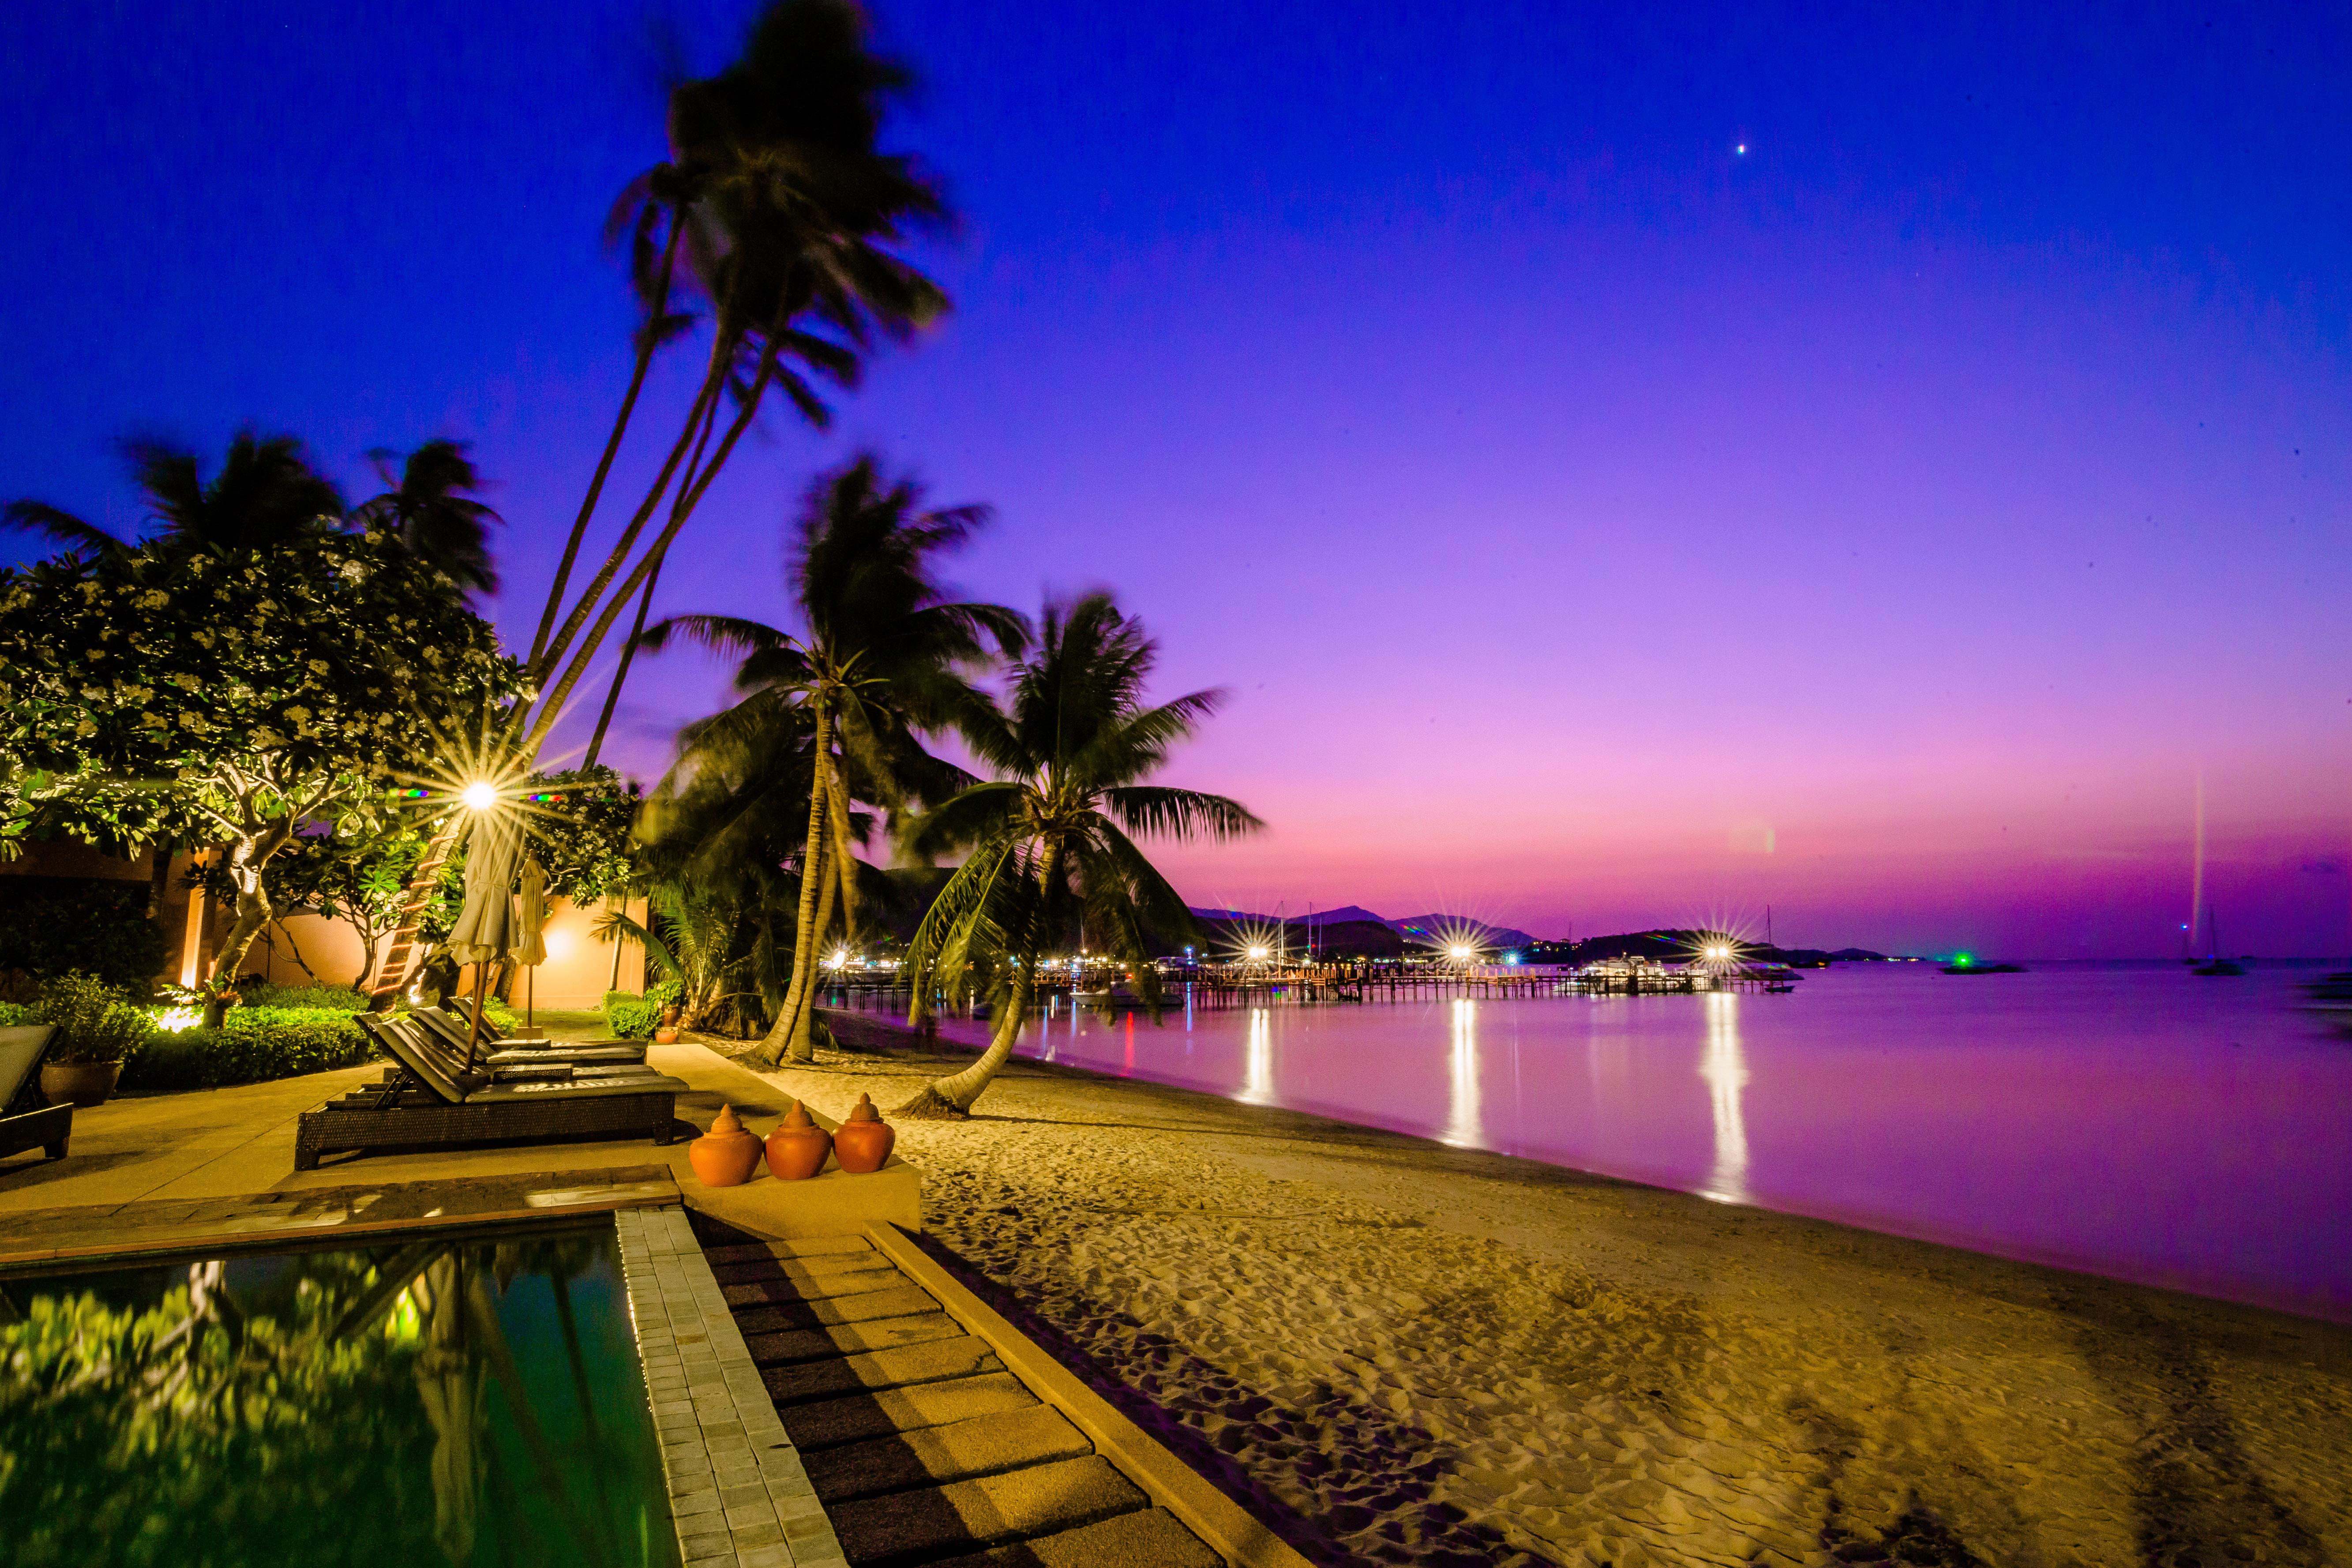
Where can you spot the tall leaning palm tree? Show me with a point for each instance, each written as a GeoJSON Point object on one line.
{"type": "Point", "coordinates": [779, 209]}
{"type": "Point", "coordinates": [1049, 858]}
{"type": "Point", "coordinates": [886, 657]}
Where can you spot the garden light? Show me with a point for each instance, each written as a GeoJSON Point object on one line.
{"type": "Point", "coordinates": [480, 795]}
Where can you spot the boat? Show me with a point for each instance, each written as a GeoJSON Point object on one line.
{"type": "Point", "coordinates": [2214, 963]}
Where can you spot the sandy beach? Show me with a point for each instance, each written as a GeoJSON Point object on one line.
{"type": "Point", "coordinates": [1431, 1355]}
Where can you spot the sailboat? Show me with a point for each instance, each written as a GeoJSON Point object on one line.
{"type": "Point", "coordinates": [2214, 963]}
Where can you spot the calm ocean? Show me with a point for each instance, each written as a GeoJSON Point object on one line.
{"type": "Point", "coordinates": [2130, 1120]}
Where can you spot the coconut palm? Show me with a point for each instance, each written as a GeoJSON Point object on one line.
{"type": "Point", "coordinates": [885, 655]}
{"type": "Point", "coordinates": [1048, 859]}
{"type": "Point", "coordinates": [266, 495]}
{"type": "Point", "coordinates": [782, 207]}
{"type": "Point", "coordinates": [428, 504]}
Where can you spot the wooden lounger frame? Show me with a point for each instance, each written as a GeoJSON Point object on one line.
{"type": "Point", "coordinates": [421, 1105]}
{"type": "Point", "coordinates": [48, 1128]}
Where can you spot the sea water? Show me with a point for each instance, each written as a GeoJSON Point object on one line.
{"type": "Point", "coordinates": [2133, 1121]}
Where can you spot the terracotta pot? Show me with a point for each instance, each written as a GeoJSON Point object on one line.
{"type": "Point", "coordinates": [666, 1035]}
{"type": "Point", "coordinates": [797, 1150]}
{"type": "Point", "coordinates": [863, 1142]}
{"type": "Point", "coordinates": [727, 1155]}
{"type": "Point", "coordinates": [86, 1084]}
{"type": "Point", "coordinates": [670, 1014]}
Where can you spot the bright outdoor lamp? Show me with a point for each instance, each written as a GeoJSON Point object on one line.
{"type": "Point", "coordinates": [480, 795]}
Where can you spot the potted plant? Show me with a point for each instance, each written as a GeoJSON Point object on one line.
{"type": "Point", "coordinates": [97, 1030]}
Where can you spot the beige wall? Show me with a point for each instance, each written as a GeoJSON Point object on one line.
{"type": "Point", "coordinates": [577, 973]}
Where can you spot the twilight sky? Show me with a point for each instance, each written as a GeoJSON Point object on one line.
{"type": "Point", "coordinates": [1597, 525]}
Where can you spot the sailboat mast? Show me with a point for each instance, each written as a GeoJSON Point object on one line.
{"type": "Point", "coordinates": [2197, 870]}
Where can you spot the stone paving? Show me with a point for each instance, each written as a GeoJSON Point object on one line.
{"type": "Point", "coordinates": [737, 1487]}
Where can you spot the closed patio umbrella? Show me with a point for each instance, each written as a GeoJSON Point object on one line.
{"type": "Point", "coordinates": [484, 932]}
{"type": "Point", "coordinates": [531, 947]}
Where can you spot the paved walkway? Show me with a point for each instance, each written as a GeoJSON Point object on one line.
{"type": "Point", "coordinates": [184, 1169]}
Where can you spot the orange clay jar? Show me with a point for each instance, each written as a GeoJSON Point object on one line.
{"type": "Point", "coordinates": [727, 1155]}
{"type": "Point", "coordinates": [863, 1142]}
{"type": "Point", "coordinates": [797, 1150]}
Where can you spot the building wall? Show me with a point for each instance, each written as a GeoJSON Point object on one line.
{"type": "Point", "coordinates": [578, 972]}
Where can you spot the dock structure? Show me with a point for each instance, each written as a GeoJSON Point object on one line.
{"type": "Point", "coordinates": [1218, 986]}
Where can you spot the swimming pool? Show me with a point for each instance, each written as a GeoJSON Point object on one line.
{"type": "Point", "coordinates": [467, 1399]}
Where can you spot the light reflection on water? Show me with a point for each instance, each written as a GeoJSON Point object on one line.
{"type": "Point", "coordinates": [1725, 1076]}
{"type": "Point", "coordinates": [2132, 1120]}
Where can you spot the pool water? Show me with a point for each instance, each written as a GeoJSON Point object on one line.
{"type": "Point", "coordinates": [461, 1400]}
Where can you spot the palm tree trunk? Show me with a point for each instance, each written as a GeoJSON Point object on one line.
{"type": "Point", "coordinates": [812, 868]}
{"type": "Point", "coordinates": [804, 1024]}
{"type": "Point", "coordinates": [551, 705]}
{"type": "Point", "coordinates": [628, 657]}
{"type": "Point", "coordinates": [646, 346]}
{"type": "Point", "coordinates": [952, 1097]}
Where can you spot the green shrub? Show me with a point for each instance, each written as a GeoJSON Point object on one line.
{"type": "Point", "coordinates": [629, 1016]}
{"type": "Point", "coordinates": [253, 1045]}
{"type": "Point", "coordinates": [18, 1015]}
{"type": "Point", "coordinates": [334, 998]}
{"type": "Point", "coordinates": [93, 1021]}
{"type": "Point", "coordinates": [51, 925]}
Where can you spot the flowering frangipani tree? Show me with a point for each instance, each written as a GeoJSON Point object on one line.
{"type": "Point", "coordinates": [234, 695]}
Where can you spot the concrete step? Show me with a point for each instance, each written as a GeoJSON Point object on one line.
{"type": "Point", "coordinates": [1152, 1538]}
{"type": "Point", "coordinates": [980, 1445]}
{"type": "Point", "coordinates": [933, 1363]}
{"type": "Point", "coordinates": [832, 1422]}
{"type": "Point", "coordinates": [807, 1247]}
{"type": "Point", "coordinates": [938, 1521]}
{"type": "Point", "coordinates": [846, 1339]}
{"type": "Point", "coordinates": [792, 1285]}
{"type": "Point", "coordinates": [855, 1307]}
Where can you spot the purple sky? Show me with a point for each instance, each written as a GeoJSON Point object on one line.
{"type": "Point", "coordinates": [1598, 526]}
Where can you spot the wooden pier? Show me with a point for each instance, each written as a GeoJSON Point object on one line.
{"type": "Point", "coordinates": [1222, 986]}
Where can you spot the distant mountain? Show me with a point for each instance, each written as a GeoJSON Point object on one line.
{"type": "Point", "coordinates": [1423, 929]}
{"type": "Point", "coordinates": [1427, 927]}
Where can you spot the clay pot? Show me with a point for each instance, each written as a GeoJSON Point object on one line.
{"type": "Point", "coordinates": [86, 1084]}
{"type": "Point", "coordinates": [666, 1035]}
{"type": "Point", "coordinates": [797, 1150]}
{"type": "Point", "coordinates": [670, 1014]}
{"type": "Point", "coordinates": [863, 1142]}
{"type": "Point", "coordinates": [727, 1155]}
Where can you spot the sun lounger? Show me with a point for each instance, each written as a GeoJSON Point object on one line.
{"type": "Point", "coordinates": [451, 1028]}
{"type": "Point", "coordinates": [47, 1128]}
{"type": "Point", "coordinates": [431, 1101]}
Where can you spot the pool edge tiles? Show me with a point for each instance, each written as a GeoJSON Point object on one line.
{"type": "Point", "coordinates": [738, 1493]}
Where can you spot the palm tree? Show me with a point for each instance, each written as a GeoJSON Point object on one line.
{"type": "Point", "coordinates": [782, 207]}
{"type": "Point", "coordinates": [885, 656]}
{"type": "Point", "coordinates": [265, 496]}
{"type": "Point", "coordinates": [1047, 856]}
{"type": "Point", "coordinates": [429, 505]}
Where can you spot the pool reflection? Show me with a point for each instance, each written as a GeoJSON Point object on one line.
{"type": "Point", "coordinates": [444, 1401]}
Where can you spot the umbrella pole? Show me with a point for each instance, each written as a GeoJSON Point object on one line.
{"type": "Point", "coordinates": [474, 1031]}
{"type": "Point", "coordinates": [529, 994]}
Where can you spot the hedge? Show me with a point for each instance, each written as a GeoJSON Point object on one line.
{"type": "Point", "coordinates": [254, 1044]}
{"type": "Point", "coordinates": [631, 1017]}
